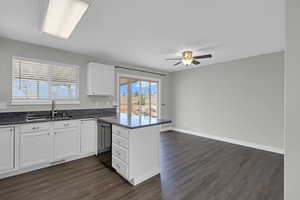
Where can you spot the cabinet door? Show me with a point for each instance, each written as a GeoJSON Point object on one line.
{"type": "Point", "coordinates": [6, 149]}
{"type": "Point", "coordinates": [35, 148]}
{"type": "Point", "coordinates": [65, 144]}
{"type": "Point", "coordinates": [88, 137]}
{"type": "Point", "coordinates": [100, 79]}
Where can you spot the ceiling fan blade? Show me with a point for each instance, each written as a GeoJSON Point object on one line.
{"type": "Point", "coordinates": [195, 62]}
{"type": "Point", "coordinates": [177, 63]}
{"type": "Point", "coordinates": [203, 56]}
{"type": "Point", "coordinates": [173, 58]}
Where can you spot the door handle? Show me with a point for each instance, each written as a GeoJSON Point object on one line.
{"type": "Point", "coordinates": [102, 133]}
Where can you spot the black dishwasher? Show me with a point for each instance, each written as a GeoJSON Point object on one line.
{"type": "Point", "coordinates": [104, 143]}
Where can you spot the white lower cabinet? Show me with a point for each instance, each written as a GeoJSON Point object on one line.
{"type": "Point", "coordinates": [66, 143]}
{"type": "Point", "coordinates": [6, 149]}
{"type": "Point", "coordinates": [120, 167]}
{"type": "Point", "coordinates": [31, 146]}
{"type": "Point", "coordinates": [35, 148]}
{"type": "Point", "coordinates": [88, 137]}
{"type": "Point", "coordinates": [135, 152]}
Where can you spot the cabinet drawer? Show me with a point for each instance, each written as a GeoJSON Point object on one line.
{"type": "Point", "coordinates": [29, 128]}
{"type": "Point", "coordinates": [120, 153]}
{"type": "Point", "coordinates": [117, 130]}
{"type": "Point", "coordinates": [120, 141]}
{"type": "Point", "coordinates": [121, 167]}
{"type": "Point", "coordinates": [65, 124]}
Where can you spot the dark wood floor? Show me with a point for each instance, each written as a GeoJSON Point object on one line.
{"type": "Point", "coordinates": [192, 168]}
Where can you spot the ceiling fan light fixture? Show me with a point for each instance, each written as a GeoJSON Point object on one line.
{"type": "Point", "coordinates": [187, 57]}
{"type": "Point", "coordinates": [62, 16]}
{"type": "Point", "coordinates": [186, 61]}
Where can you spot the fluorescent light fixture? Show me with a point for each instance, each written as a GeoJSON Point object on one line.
{"type": "Point", "coordinates": [63, 16]}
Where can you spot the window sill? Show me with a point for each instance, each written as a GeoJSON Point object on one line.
{"type": "Point", "coordinates": [42, 102]}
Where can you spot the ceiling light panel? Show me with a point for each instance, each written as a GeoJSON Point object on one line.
{"type": "Point", "coordinates": [62, 16]}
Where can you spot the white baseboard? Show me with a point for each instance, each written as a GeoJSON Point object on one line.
{"type": "Point", "coordinates": [167, 129]}
{"type": "Point", "coordinates": [233, 141]}
{"type": "Point", "coordinates": [145, 177]}
{"type": "Point", "coordinates": [18, 171]}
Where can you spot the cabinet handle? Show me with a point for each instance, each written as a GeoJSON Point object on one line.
{"type": "Point", "coordinates": [11, 130]}
{"type": "Point", "coordinates": [66, 124]}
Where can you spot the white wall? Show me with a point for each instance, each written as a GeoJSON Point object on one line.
{"type": "Point", "coordinates": [9, 48]}
{"type": "Point", "coordinates": [292, 158]}
{"type": "Point", "coordinates": [240, 100]}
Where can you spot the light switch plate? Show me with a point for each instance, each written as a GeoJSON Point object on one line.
{"type": "Point", "coordinates": [3, 105]}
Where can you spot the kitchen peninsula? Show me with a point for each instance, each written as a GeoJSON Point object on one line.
{"type": "Point", "coordinates": [135, 146]}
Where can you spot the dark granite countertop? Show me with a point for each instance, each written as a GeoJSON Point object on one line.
{"type": "Point", "coordinates": [134, 121]}
{"type": "Point", "coordinates": [13, 118]}
{"type": "Point", "coordinates": [14, 121]}
{"type": "Point", "coordinates": [123, 120]}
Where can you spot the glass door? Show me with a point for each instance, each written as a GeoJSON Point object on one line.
{"type": "Point", "coordinates": [139, 98]}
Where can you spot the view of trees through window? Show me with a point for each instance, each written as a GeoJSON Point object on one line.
{"type": "Point", "coordinates": [139, 97]}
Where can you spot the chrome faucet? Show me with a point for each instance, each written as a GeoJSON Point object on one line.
{"type": "Point", "coordinates": [53, 111]}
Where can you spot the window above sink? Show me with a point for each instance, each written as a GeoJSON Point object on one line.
{"type": "Point", "coordinates": [39, 82]}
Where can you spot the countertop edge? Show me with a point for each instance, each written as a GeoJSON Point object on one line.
{"type": "Point", "coordinates": [102, 118]}
{"type": "Point", "coordinates": [136, 127]}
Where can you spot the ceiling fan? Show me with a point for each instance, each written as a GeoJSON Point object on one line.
{"type": "Point", "coordinates": [188, 58]}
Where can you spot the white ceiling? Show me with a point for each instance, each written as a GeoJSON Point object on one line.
{"type": "Point", "coordinates": [145, 32]}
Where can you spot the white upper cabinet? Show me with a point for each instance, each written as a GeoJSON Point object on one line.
{"type": "Point", "coordinates": [100, 79]}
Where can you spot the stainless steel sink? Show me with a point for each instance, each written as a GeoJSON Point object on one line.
{"type": "Point", "coordinates": [36, 119]}
{"type": "Point", "coordinates": [45, 118]}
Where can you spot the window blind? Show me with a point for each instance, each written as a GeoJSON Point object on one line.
{"type": "Point", "coordinates": [23, 69]}
{"type": "Point", "coordinates": [38, 82]}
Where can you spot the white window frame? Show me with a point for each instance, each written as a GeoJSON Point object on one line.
{"type": "Point", "coordinates": [41, 102]}
{"type": "Point", "coordinates": [123, 75]}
